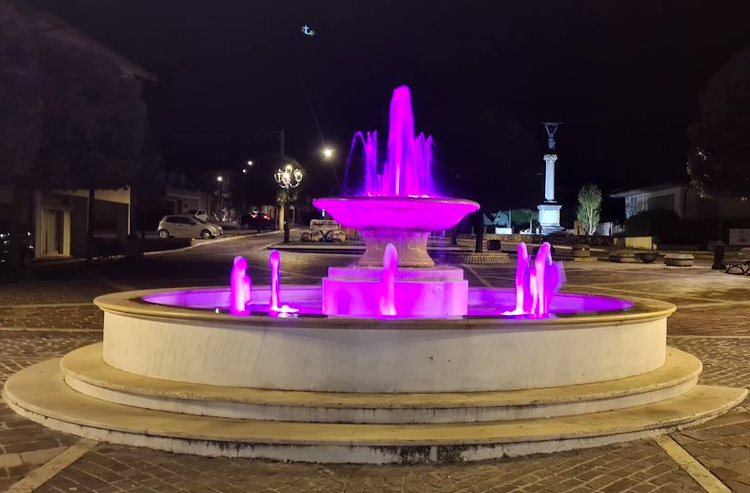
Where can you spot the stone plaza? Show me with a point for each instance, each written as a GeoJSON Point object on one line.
{"type": "Point", "coordinates": [51, 312]}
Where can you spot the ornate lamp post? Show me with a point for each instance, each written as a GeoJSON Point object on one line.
{"type": "Point", "coordinates": [287, 177]}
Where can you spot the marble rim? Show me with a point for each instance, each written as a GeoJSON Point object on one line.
{"type": "Point", "coordinates": [132, 303]}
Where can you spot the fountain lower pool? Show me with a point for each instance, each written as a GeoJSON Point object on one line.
{"type": "Point", "coordinates": [394, 359]}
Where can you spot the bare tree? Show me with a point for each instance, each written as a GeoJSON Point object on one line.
{"type": "Point", "coordinates": [589, 207]}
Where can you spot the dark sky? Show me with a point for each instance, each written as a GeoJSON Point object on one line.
{"type": "Point", "coordinates": [624, 75]}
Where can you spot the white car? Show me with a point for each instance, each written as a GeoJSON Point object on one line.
{"type": "Point", "coordinates": [187, 226]}
{"type": "Point", "coordinates": [200, 214]}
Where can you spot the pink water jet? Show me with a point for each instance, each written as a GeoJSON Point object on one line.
{"type": "Point", "coordinates": [407, 168]}
{"type": "Point", "coordinates": [275, 306]}
{"type": "Point", "coordinates": [536, 285]}
{"type": "Point", "coordinates": [387, 286]}
{"type": "Point", "coordinates": [240, 284]}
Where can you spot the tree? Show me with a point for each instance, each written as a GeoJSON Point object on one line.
{"type": "Point", "coordinates": [718, 160]}
{"type": "Point", "coordinates": [589, 207]}
{"type": "Point", "coordinates": [20, 120]}
{"type": "Point", "coordinates": [523, 218]}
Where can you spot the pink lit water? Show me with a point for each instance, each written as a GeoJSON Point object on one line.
{"type": "Point", "coordinates": [407, 168]}
{"type": "Point", "coordinates": [536, 283]}
{"type": "Point", "coordinates": [239, 283]}
{"type": "Point", "coordinates": [387, 286]}
{"type": "Point", "coordinates": [275, 306]}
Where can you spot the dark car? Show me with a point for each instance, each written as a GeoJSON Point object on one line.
{"type": "Point", "coordinates": [257, 220]}
{"type": "Point", "coordinates": [27, 249]}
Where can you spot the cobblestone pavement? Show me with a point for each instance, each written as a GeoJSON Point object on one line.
{"type": "Point", "coordinates": [50, 313]}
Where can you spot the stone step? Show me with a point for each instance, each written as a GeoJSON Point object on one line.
{"type": "Point", "coordinates": [39, 393]}
{"type": "Point", "coordinates": [86, 372]}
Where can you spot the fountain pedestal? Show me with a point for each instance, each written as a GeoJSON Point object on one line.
{"type": "Point", "coordinates": [410, 245]}
{"type": "Point", "coordinates": [438, 292]}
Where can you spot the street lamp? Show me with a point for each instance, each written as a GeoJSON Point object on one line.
{"type": "Point", "coordinates": [287, 177]}
{"type": "Point", "coordinates": [249, 163]}
{"type": "Point", "coordinates": [328, 154]}
{"type": "Point", "coordinates": [220, 181]}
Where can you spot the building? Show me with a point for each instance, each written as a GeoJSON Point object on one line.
{"type": "Point", "coordinates": [61, 216]}
{"type": "Point", "coordinates": [58, 219]}
{"type": "Point", "coordinates": [683, 200]}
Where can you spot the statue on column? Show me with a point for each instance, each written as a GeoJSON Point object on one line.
{"type": "Point", "coordinates": [551, 128]}
{"type": "Point", "coordinates": [549, 211]}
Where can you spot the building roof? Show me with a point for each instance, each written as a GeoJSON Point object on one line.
{"type": "Point", "coordinates": [624, 192]}
{"type": "Point", "coordinates": [49, 25]}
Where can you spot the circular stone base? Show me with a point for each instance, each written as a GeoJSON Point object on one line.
{"type": "Point", "coordinates": [341, 354]}
{"type": "Point", "coordinates": [40, 394]}
{"type": "Point", "coordinates": [86, 372]}
{"type": "Point", "coordinates": [437, 292]}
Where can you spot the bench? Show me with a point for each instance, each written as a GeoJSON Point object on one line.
{"type": "Point", "coordinates": [738, 263]}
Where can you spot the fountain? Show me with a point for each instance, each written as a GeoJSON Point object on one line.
{"type": "Point", "coordinates": [395, 359]}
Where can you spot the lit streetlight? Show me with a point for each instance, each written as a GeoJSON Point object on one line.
{"type": "Point", "coordinates": [249, 163]}
{"type": "Point", "coordinates": [328, 154]}
{"type": "Point", "coordinates": [287, 177]}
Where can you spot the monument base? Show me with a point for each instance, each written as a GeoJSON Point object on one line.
{"type": "Point", "coordinates": [549, 218]}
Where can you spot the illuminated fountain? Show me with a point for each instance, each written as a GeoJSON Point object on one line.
{"type": "Point", "coordinates": [392, 360]}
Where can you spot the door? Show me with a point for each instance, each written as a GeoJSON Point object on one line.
{"type": "Point", "coordinates": [52, 232]}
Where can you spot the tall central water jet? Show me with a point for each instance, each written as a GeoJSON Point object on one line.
{"type": "Point", "coordinates": [398, 210]}
{"type": "Point", "coordinates": [399, 206]}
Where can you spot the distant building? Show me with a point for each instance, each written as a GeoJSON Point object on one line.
{"type": "Point", "coordinates": [683, 200]}
{"type": "Point", "coordinates": [180, 196]}
{"type": "Point", "coordinates": [58, 219]}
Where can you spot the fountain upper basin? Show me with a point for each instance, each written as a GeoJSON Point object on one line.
{"type": "Point", "coordinates": [391, 213]}
{"type": "Point", "coordinates": [405, 222]}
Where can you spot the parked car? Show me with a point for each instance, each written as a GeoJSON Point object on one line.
{"type": "Point", "coordinates": [187, 226]}
{"type": "Point", "coordinates": [199, 214]}
{"type": "Point", "coordinates": [27, 248]}
{"type": "Point", "coordinates": [255, 219]}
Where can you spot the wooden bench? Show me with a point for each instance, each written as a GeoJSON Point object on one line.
{"type": "Point", "coordinates": [738, 262]}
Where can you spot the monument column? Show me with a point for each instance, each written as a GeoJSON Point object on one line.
{"type": "Point", "coordinates": [549, 177]}
{"type": "Point", "coordinates": [549, 211]}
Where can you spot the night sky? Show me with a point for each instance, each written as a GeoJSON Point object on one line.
{"type": "Point", "coordinates": [625, 76]}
